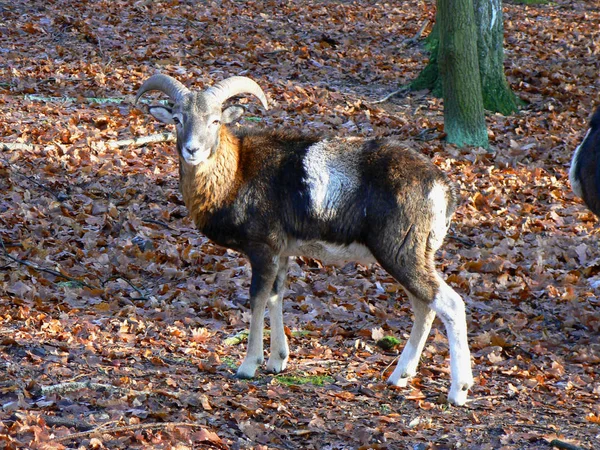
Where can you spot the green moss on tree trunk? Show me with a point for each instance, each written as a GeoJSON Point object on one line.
{"type": "Point", "coordinates": [464, 119]}
{"type": "Point", "coordinates": [429, 78]}
{"type": "Point", "coordinates": [498, 97]}
{"type": "Point", "coordinates": [497, 94]}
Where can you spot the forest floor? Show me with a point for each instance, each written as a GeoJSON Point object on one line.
{"type": "Point", "coordinates": [119, 323]}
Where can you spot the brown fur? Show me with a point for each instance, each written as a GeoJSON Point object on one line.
{"type": "Point", "coordinates": [214, 184]}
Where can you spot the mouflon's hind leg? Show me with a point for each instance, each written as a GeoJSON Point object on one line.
{"type": "Point", "coordinates": [409, 359]}
{"type": "Point", "coordinates": [413, 266]}
{"type": "Point", "coordinates": [265, 266]}
{"type": "Point", "coordinates": [450, 308]}
{"type": "Point", "coordinates": [279, 344]}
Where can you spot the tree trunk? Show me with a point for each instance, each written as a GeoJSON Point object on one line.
{"type": "Point", "coordinates": [497, 95]}
{"type": "Point", "coordinates": [429, 78]}
{"type": "Point", "coordinates": [464, 119]}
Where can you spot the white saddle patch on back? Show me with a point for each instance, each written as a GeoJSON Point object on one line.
{"type": "Point", "coordinates": [331, 175]}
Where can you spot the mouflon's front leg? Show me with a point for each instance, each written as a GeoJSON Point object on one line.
{"type": "Point", "coordinates": [279, 344]}
{"type": "Point", "coordinates": [265, 266]}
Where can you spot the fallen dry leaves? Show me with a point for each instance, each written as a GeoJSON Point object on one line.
{"type": "Point", "coordinates": [128, 305]}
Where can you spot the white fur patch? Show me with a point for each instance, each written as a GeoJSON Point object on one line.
{"type": "Point", "coordinates": [439, 205]}
{"type": "Point", "coordinates": [197, 158]}
{"type": "Point", "coordinates": [330, 253]}
{"type": "Point", "coordinates": [409, 359]}
{"type": "Point", "coordinates": [331, 176]}
{"type": "Point", "coordinates": [575, 184]}
{"type": "Point", "coordinates": [451, 309]}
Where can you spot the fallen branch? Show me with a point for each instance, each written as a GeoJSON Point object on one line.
{"type": "Point", "coordinates": [141, 426]}
{"type": "Point", "coordinates": [63, 388]}
{"type": "Point", "coordinates": [97, 100]}
{"type": "Point", "coordinates": [73, 386]}
{"type": "Point", "coordinates": [387, 97]}
{"type": "Point", "coordinates": [18, 146]}
{"type": "Point", "coordinates": [137, 142]}
{"type": "Point", "coordinates": [100, 101]}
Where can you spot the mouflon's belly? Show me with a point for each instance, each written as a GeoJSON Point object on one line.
{"type": "Point", "coordinates": [330, 253]}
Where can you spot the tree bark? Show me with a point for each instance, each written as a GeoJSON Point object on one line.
{"type": "Point", "coordinates": [497, 94]}
{"type": "Point", "coordinates": [464, 119]}
{"type": "Point", "coordinates": [429, 78]}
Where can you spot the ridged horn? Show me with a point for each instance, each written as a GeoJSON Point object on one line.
{"type": "Point", "coordinates": [164, 83]}
{"type": "Point", "coordinates": [231, 86]}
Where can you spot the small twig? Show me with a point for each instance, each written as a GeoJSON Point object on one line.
{"type": "Point", "coordinates": [320, 362]}
{"type": "Point", "coordinates": [275, 52]}
{"type": "Point", "coordinates": [479, 426]}
{"type": "Point", "coordinates": [417, 36]}
{"type": "Point", "coordinates": [137, 142]}
{"type": "Point", "coordinates": [60, 196]}
{"type": "Point", "coordinates": [63, 80]}
{"type": "Point", "coordinates": [390, 95]}
{"type": "Point", "coordinates": [486, 397]}
{"type": "Point", "coordinates": [158, 222]}
{"type": "Point", "coordinates": [532, 426]}
{"type": "Point", "coordinates": [426, 135]}
{"type": "Point", "coordinates": [143, 295]}
{"type": "Point", "coordinates": [55, 421]}
{"type": "Point", "coordinates": [389, 365]}
{"type": "Point", "coordinates": [43, 269]}
{"type": "Point", "coordinates": [564, 445]}
{"type": "Point", "coordinates": [77, 377]}
{"type": "Point", "coordinates": [464, 241]}
{"type": "Point", "coordinates": [140, 426]}
{"type": "Point", "coordinates": [13, 244]}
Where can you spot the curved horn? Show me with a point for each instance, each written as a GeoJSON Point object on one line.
{"type": "Point", "coordinates": [164, 83]}
{"type": "Point", "coordinates": [234, 86]}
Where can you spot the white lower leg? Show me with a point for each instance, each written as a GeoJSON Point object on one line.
{"type": "Point", "coordinates": [409, 359]}
{"type": "Point", "coordinates": [279, 345]}
{"type": "Point", "coordinates": [451, 309]}
{"type": "Point", "coordinates": [254, 355]}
